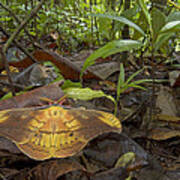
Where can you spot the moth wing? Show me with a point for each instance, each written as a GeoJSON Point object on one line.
{"type": "Point", "coordinates": [20, 124]}
{"type": "Point", "coordinates": [55, 131]}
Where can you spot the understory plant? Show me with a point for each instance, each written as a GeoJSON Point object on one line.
{"type": "Point", "coordinates": [123, 84]}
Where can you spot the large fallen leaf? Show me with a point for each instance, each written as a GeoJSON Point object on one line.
{"type": "Point", "coordinates": [33, 98]}
{"type": "Point", "coordinates": [103, 70]}
{"type": "Point", "coordinates": [166, 102]}
{"type": "Point", "coordinates": [53, 131]}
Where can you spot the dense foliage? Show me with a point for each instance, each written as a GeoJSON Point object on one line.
{"type": "Point", "coordinates": [95, 22]}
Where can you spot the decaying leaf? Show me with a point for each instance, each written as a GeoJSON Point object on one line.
{"type": "Point", "coordinates": [166, 118]}
{"type": "Point", "coordinates": [104, 70]}
{"type": "Point", "coordinates": [54, 169]}
{"type": "Point", "coordinates": [165, 102]}
{"type": "Point", "coordinates": [125, 159]}
{"type": "Point", "coordinates": [34, 97]}
{"type": "Point", "coordinates": [174, 78]}
{"type": "Point", "coordinates": [163, 134]}
{"type": "Point", "coordinates": [53, 131]}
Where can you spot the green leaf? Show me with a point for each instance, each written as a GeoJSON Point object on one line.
{"type": "Point", "coordinates": [121, 80]}
{"type": "Point", "coordinates": [142, 81]}
{"type": "Point", "coordinates": [70, 84]}
{"type": "Point", "coordinates": [171, 27]}
{"type": "Point", "coordinates": [142, 23]}
{"type": "Point", "coordinates": [161, 39]}
{"type": "Point", "coordinates": [52, 4]}
{"type": "Point", "coordinates": [86, 94]}
{"type": "Point", "coordinates": [146, 13]}
{"type": "Point", "coordinates": [174, 16]}
{"type": "Point", "coordinates": [150, 80]}
{"type": "Point", "coordinates": [122, 74]}
{"type": "Point", "coordinates": [132, 85]}
{"type": "Point", "coordinates": [7, 96]}
{"type": "Point", "coordinates": [158, 21]}
{"type": "Point", "coordinates": [109, 49]}
{"type": "Point", "coordinates": [120, 19]}
{"type": "Point", "coordinates": [133, 75]}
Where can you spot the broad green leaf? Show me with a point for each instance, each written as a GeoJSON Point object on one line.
{"type": "Point", "coordinates": [130, 13]}
{"type": "Point", "coordinates": [146, 13]}
{"type": "Point", "coordinates": [161, 39]}
{"type": "Point", "coordinates": [109, 49]}
{"type": "Point", "coordinates": [86, 94]}
{"type": "Point", "coordinates": [120, 19]}
{"type": "Point", "coordinates": [174, 16]}
{"type": "Point", "coordinates": [171, 27]}
{"type": "Point", "coordinates": [158, 21]}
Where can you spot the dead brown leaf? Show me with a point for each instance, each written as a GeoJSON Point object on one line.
{"type": "Point", "coordinates": [163, 134]}
{"type": "Point", "coordinates": [33, 98]}
{"type": "Point", "coordinates": [165, 102]}
{"type": "Point", "coordinates": [54, 169]}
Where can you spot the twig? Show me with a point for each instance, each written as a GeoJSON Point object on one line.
{"type": "Point", "coordinates": [22, 25]}
{"type": "Point", "coordinates": [19, 46]}
{"type": "Point", "coordinates": [6, 65]}
{"type": "Point", "coordinates": [25, 30]}
{"type": "Point", "coordinates": [174, 4]}
{"type": "Point", "coordinates": [14, 84]}
{"type": "Point", "coordinates": [16, 18]}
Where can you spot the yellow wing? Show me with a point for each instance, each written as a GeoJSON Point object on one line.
{"type": "Point", "coordinates": [54, 131]}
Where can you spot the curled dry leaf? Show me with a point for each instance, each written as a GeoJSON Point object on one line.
{"type": "Point", "coordinates": [53, 131]}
